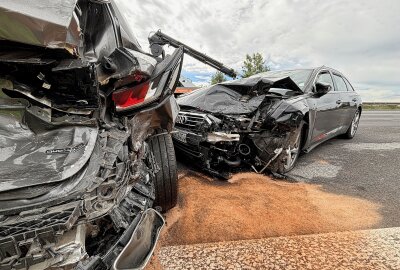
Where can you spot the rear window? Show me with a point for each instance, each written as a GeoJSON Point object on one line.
{"type": "Point", "coordinates": [341, 85]}
{"type": "Point", "coordinates": [349, 87]}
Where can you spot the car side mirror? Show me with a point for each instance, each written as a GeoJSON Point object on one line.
{"type": "Point", "coordinates": [322, 88]}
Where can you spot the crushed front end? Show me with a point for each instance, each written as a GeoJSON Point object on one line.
{"type": "Point", "coordinates": [249, 122]}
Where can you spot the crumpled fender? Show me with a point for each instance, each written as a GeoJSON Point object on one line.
{"type": "Point", "coordinates": [29, 159]}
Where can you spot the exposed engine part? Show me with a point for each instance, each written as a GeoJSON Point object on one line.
{"type": "Point", "coordinates": [215, 137]}
{"type": "Point", "coordinates": [232, 163]}
{"type": "Point", "coordinates": [277, 153]}
{"type": "Point", "coordinates": [244, 149]}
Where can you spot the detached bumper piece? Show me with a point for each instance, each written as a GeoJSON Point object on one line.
{"type": "Point", "coordinates": [135, 247]}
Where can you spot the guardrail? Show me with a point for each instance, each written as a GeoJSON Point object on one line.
{"type": "Point", "coordinates": [385, 106]}
{"type": "Point", "coordinates": [382, 103]}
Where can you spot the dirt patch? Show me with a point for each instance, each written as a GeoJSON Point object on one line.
{"type": "Point", "coordinates": [253, 206]}
{"type": "Point", "coordinates": [154, 263]}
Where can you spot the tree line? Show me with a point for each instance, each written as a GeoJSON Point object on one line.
{"type": "Point", "coordinates": [252, 64]}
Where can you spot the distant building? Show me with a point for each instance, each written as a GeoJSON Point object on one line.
{"type": "Point", "coordinates": [185, 82]}
{"type": "Point", "coordinates": [185, 85]}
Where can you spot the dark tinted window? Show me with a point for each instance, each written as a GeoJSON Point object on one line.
{"type": "Point", "coordinates": [325, 78]}
{"type": "Point", "coordinates": [340, 84]}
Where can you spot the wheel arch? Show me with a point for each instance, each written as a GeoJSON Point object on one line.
{"type": "Point", "coordinates": [305, 130]}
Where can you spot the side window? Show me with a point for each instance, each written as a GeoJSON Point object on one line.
{"type": "Point", "coordinates": [349, 87]}
{"type": "Point", "coordinates": [341, 85]}
{"type": "Point", "coordinates": [325, 78]}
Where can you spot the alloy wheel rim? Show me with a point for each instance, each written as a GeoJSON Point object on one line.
{"type": "Point", "coordinates": [292, 153]}
{"type": "Point", "coordinates": [354, 123]}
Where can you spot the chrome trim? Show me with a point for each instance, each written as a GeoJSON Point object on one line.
{"type": "Point", "coordinates": [197, 114]}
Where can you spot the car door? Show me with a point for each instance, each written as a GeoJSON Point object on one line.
{"type": "Point", "coordinates": [345, 101]}
{"type": "Point", "coordinates": [327, 110]}
{"type": "Point", "coordinates": [353, 100]}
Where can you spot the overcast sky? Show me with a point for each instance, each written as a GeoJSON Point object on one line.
{"type": "Point", "coordinates": [359, 38]}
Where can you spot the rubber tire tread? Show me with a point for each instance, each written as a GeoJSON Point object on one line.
{"type": "Point", "coordinates": [166, 178]}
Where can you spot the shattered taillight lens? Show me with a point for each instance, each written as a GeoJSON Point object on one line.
{"type": "Point", "coordinates": [159, 86]}
{"type": "Point", "coordinates": [132, 96]}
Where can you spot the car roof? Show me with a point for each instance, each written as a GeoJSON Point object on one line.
{"type": "Point", "coordinates": [330, 69]}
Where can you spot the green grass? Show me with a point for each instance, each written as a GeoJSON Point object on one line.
{"type": "Point", "coordinates": [381, 107]}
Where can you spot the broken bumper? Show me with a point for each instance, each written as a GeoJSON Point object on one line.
{"type": "Point", "coordinates": [103, 217]}
{"type": "Point", "coordinates": [132, 250]}
{"type": "Point", "coordinates": [188, 142]}
{"type": "Point", "coordinates": [135, 246]}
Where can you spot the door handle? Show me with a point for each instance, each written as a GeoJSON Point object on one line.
{"type": "Point", "coordinates": [338, 101]}
{"type": "Point", "coordinates": [354, 100]}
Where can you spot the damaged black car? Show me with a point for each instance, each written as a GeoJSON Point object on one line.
{"type": "Point", "coordinates": [86, 156]}
{"type": "Point", "coordinates": [265, 121]}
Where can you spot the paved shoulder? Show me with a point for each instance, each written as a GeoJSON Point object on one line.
{"type": "Point", "coordinates": [368, 249]}
{"type": "Point", "coordinates": [366, 167]}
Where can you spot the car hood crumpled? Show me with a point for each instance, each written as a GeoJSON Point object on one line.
{"type": "Point", "coordinates": [28, 158]}
{"type": "Point", "coordinates": [48, 23]}
{"type": "Point", "coordinates": [242, 96]}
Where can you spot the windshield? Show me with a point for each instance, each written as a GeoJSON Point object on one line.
{"type": "Point", "coordinates": [299, 76]}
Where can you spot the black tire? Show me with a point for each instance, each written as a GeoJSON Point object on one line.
{"type": "Point", "coordinates": [166, 177]}
{"type": "Point", "coordinates": [351, 131]}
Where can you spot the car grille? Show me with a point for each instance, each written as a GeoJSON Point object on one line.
{"type": "Point", "coordinates": [188, 149]}
{"type": "Point", "coordinates": [190, 121]}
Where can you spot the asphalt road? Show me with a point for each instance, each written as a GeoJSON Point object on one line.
{"type": "Point", "coordinates": [368, 166]}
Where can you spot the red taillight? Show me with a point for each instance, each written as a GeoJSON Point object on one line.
{"type": "Point", "coordinates": [131, 96]}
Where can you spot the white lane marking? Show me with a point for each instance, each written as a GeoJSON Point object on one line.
{"type": "Point", "coordinates": [372, 146]}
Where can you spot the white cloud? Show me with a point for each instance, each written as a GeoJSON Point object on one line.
{"type": "Point", "coordinates": [201, 83]}
{"type": "Point", "coordinates": [203, 78]}
{"type": "Point", "coordinates": [372, 92]}
{"type": "Point", "coordinates": [359, 38]}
